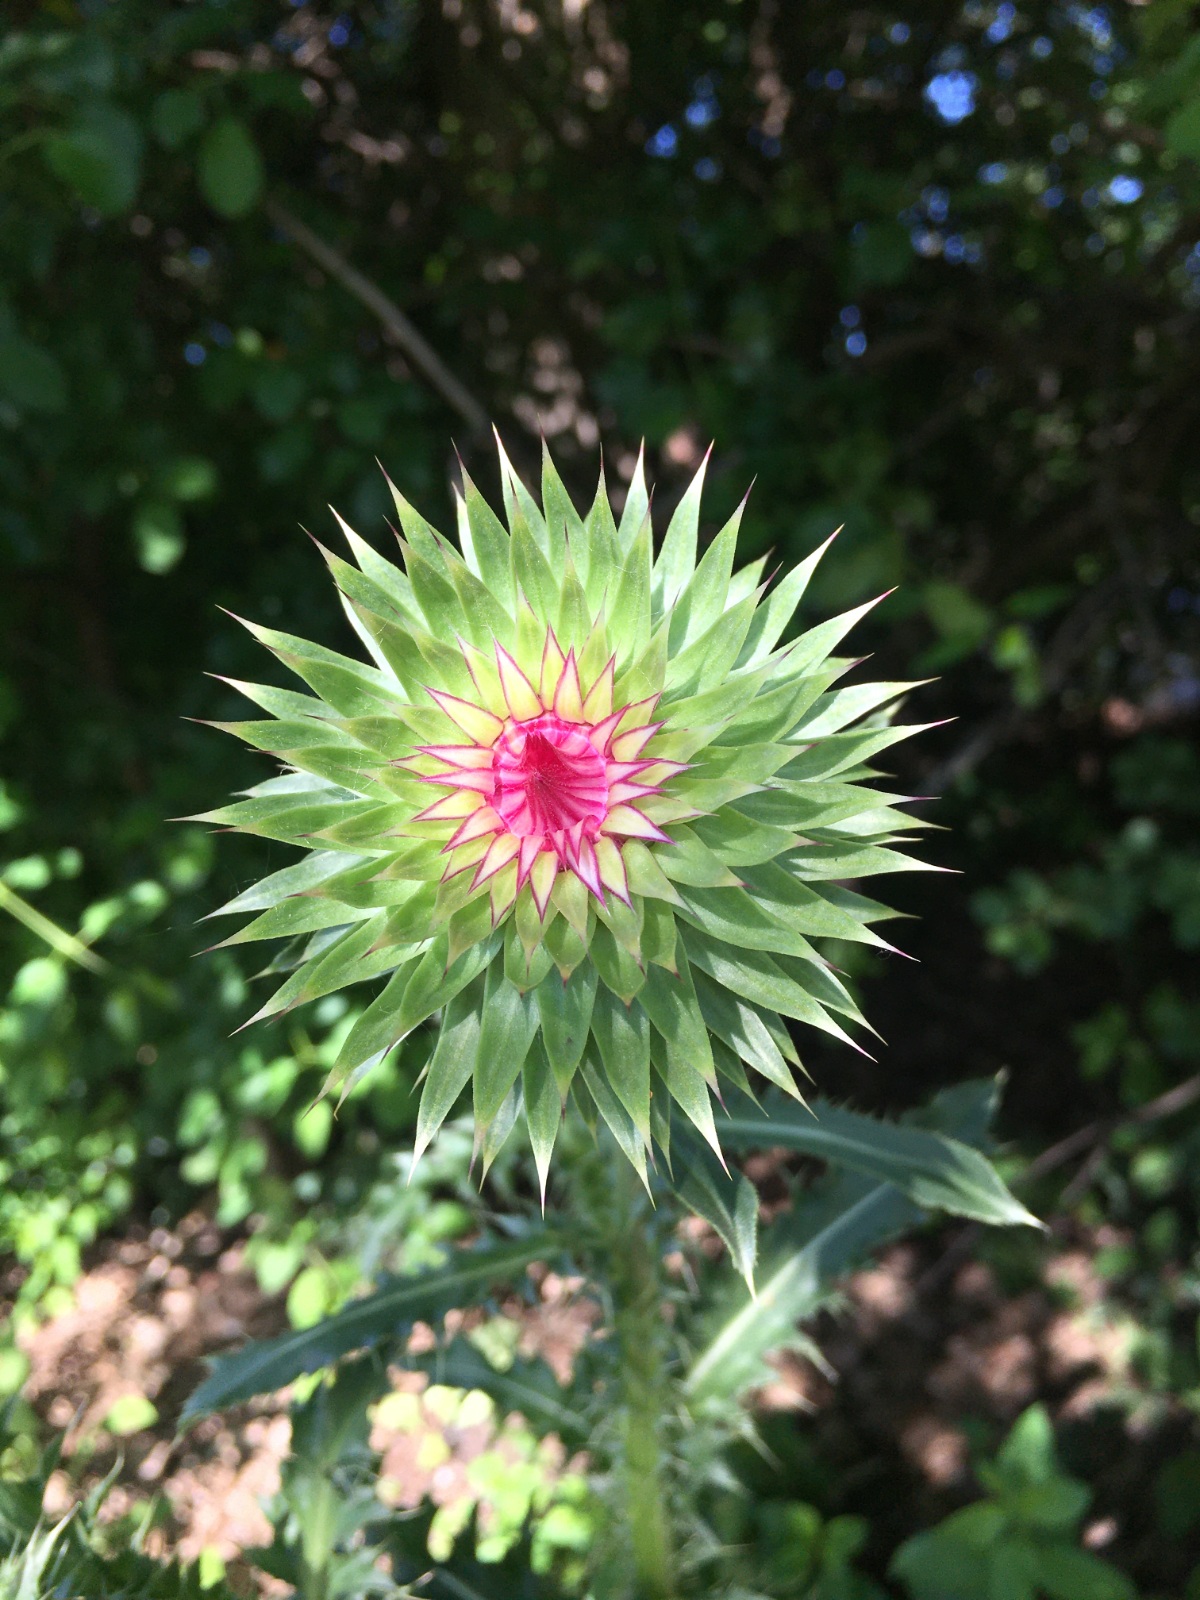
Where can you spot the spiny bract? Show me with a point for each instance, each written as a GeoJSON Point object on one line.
{"type": "Point", "coordinates": [581, 803]}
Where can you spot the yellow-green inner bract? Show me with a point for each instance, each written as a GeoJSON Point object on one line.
{"type": "Point", "coordinates": [580, 806]}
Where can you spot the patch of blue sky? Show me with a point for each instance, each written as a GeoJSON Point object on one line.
{"type": "Point", "coordinates": [952, 94]}
{"type": "Point", "coordinates": [1001, 26]}
{"type": "Point", "coordinates": [664, 143]}
{"type": "Point", "coordinates": [936, 201]}
{"type": "Point", "coordinates": [1125, 189]}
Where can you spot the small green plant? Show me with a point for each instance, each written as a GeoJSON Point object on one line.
{"type": "Point", "coordinates": [77, 1556]}
{"type": "Point", "coordinates": [1021, 1541]}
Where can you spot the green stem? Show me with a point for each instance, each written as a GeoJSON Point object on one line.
{"type": "Point", "coordinates": [640, 1335]}
{"type": "Point", "coordinates": [66, 944]}
{"type": "Point", "coordinates": [316, 1542]}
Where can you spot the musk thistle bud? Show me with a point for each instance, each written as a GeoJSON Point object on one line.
{"type": "Point", "coordinates": [581, 803]}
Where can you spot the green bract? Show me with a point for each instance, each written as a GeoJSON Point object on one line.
{"type": "Point", "coordinates": [581, 804]}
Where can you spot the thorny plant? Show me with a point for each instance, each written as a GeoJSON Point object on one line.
{"type": "Point", "coordinates": [590, 819]}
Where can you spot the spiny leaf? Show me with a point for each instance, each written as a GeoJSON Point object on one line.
{"type": "Point", "coordinates": [452, 1063]}
{"type": "Point", "coordinates": [510, 1020]}
{"type": "Point", "coordinates": [935, 1172]}
{"type": "Point", "coordinates": [617, 1118]}
{"type": "Point", "coordinates": [623, 1036]}
{"type": "Point", "coordinates": [543, 1110]}
{"type": "Point", "coordinates": [704, 598]}
{"type": "Point", "coordinates": [316, 868]}
{"type": "Point", "coordinates": [629, 599]}
{"type": "Point", "coordinates": [637, 503]}
{"type": "Point", "coordinates": [744, 1029]}
{"type": "Point", "coordinates": [485, 543]}
{"type": "Point", "coordinates": [757, 978]}
{"type": "Point", "coordinates": [677, 559]}
{"type": "Point", "coordinates": [727, 1201]}
{"type": "Point", "coordinates": [563, 523]}
{"type": "Point", "coordinates": [388, 1314]}
{"type": "Point", "coordinates": [565, 1009]}
{"type": "Point", "coordinates": [851, 1216]}
{"type": "Point", "coordinates": [779, 607]}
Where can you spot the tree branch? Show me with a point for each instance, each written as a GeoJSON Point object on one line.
{"type": "Point", "coordinates": [368, 294]}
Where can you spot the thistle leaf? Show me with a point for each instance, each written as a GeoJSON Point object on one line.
{"type": "Point", "coordinates": [670, 1001]}
{"type": "Point", "coordinates": [629, 603]}
{"type": "Point", "coordinates": [727, 1201]}
{"type": "Point", "coordinates": [637, 503]}
{"type": "Point", "coordinates": [616, 1118]}
{"type": "Point", "coordinates": [687, 1087]}
{"type": "Point", "coordinates": [452, 1063]}
{"type": "Point", "coordinates": [779, 608]}
{"type": "Point", "coordinates": [622, 1036]}
{"type": "Point", "coordinates": [491, 1137]}
{"type": "Point", "coordinates": [532, 575]}
{"type": "Point", "coordinates": [543, 1110]}
{"type": "Point", "coordinates": [565, 1010]}
{"type": "Point", "coordinates": [484, 543]}
{"type": "Point", "coordinates": [677, 559]}
{"type": "Point", "coordinates": [297, 915]}
{"type": "Point", "coordinates": [563, 524]}
{"type": "Point", "coordinates": [304, 875]}
{"type": "Point", "coordinates": [387, 1315]}
{"type": "Point", "coordinates": [704, 597]}
{"type": "Point", "coordinates": [850, 1217]}
{"type": "Point", "coordinates": [603, 544]}
{"type": "Point", "coordinates": [433, 984]}
{"type": "Point", "coordinates": [835, 711]}
{"type": "Point", "coordinates": [742, 1027]}
{"type": "Point", "coordinates": [510, 1020]}
{"type": "Point", "coordinates": [934, 1171]}
{"type": "Point", "coordinates": [757, 978]}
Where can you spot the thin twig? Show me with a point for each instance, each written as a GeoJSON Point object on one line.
{"type": "Point", "coordinates": [370, 295]}
{"type": "Point", "coordinates": [1164, 1105]}
{"type": "Point", "coordinates": [59, 940]}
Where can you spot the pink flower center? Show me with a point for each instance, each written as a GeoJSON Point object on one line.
{"type": "Point", "coordinates": [548, 776]}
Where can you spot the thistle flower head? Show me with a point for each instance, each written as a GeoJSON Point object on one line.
{"type": "Point", "coordinates": [580, 805]}
{"type": "Point", "coordinates": [546, 783]}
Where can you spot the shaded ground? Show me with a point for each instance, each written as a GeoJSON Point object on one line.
{"type": "Point", "coordinates": [142, 1318]}
{"type": "Point", "coordinates": [934, 1357]}
{"type": "Point", "coordinates": [112, 1372]}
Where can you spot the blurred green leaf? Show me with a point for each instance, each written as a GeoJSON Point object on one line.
{"type": "Point", "coordinates": [881, 254]}
{"type": "Point", "coordinates": [1182, 131]}
{"type": "Point", "coordinates": [159, 536]}
{"type": "Point", "coordinates": [230, 168]}
{"type": "Point", "coordinates": [190, 478]}
{"type": "Point", "coordinates": [100, 157]}
{"type": "Point", "coordinates": [957, 615]}
{"type": "Point", "coordinates": [176, 115]}
{"type": "Point", "coordinates": [31, 377]}
{"type": "Point", "coordinates": [132, 1413]}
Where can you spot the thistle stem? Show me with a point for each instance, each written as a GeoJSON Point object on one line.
{"type": "Point", "coordinates": [639, 1328]}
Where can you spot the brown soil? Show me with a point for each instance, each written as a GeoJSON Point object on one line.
{"type": "Point", "coordinates": [927, 1353]}
{"type": "Point", "coordinates": [141, 1321]}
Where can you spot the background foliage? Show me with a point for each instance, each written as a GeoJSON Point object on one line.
{"type": "Point", "coordinates": [931, 272]}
